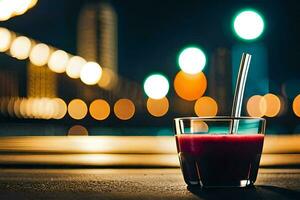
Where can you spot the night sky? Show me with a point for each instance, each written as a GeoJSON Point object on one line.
{"type": "Point", "coordinates": [151, 33]}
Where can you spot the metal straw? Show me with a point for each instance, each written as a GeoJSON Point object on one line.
{"type": "Point", "coordinates": [239, 91]}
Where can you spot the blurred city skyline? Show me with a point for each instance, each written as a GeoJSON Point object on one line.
{"type": "Point", "coordinates": [135, 39]}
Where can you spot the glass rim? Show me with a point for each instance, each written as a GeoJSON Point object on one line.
{"type": "Point", "coordinates": [219, 118]}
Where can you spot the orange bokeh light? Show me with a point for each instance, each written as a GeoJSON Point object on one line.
{"type": "Point", "coordinates": [158, 107]}
{"type": "Point", "coordinates": [296, 105]}
{"type": "Point", "coordinates": [78, 130]}
{"type": "Point", "coordinates": [273, 105]}
{"type": "Point", "coordinates": [256, 106]}
{"type": "Point", "coordinates": [108, 79]}
{"type": "Point", "coordinates": [124, 109]}
{"type": "Point", "coordinates": [99, 109]}
{"type": "Point", "coordinates": [77, 109]}
{"type": "Point", "coordinates": [60, 108]}
{"type": "Point", "coordinates": [206, 106]}
{"type": "Point", "coordinates": [190, 87]}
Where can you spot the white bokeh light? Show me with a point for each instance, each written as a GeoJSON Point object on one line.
{"type": "Point", "coordinates": [39, 54]}
{"type": "Point", "coordinates": [20, 47]}
{"type": "Point", "coordinates": [156, 86]}
{"type": "Point", "coordinates": [192, 60]}
{"type": "Point", "coordinates": [5, 39]}
{"type": "Point", "coordinates": [20, 7]}
{"type": "Point", "coordinates": [58, 61]}
{"type": "Point", "coordinates": [74, 66]}
{"type": "Point", "coordinates": [248, 25]}
{"type": "Point", "coordinates": [11, 8]}
{"type": "Point", "coordinates": [6, 9]}
{"type": "Point", "coordinates": [90, 73]}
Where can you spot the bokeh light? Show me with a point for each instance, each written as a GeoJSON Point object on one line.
{"type": "Point", "coordinates": [20, 7]}
{"type": "Point", "coordinates": [32, 3]}
{"type": "Point", "coordinates": [10, 107]}
{"type": "Point", "coordinates": [108, 79]}
{"type": "Point", "coordinates": [6, 10]}
{"type": "Point", "coordinates": [158, 107]}
{"type": "Point", "coordinates": [198, 126]}
{"type": "Point", "coordinates": [28, 108]}
{"type": "Point", "coordinates": [5, 39]}
{"type": "Point", "coordinates": [40, 108]}
{"type": "Point", "coordinates": [190, 87]}
{"type": "Point", "coordinates": [296, 105]}
{"type": "Point", "coordinates": [31, 109]}
{"type": "Point", "coordinates": [90, 73]}
{"type": "Point", "coordinates": [35, 108]}
{"type": "Point", "coordinates": [44, 108]}
{"type": "Point", "coordinates": [10, 8]}
{"type": "Point", "coordinates": [23, 108]}
{"type": "Point", "coordinates": [156, 86]}
{"type": "Point", "coordinates": [248, 25]}
{"type": "Point", "coordinates": [60, 108]}
{"type": "Point", "coordinates": [77, 109]}
{"type": "Point", "coordinates": [58, 61]}
{"type": "Point", "coordinates": [48, 110]}
{"type": "Point", "coordinates": [192, 60]}
{"type": "Point", "coordinates": [17, 106]}
{"type": "Point", "coordinates": [20, 47]}
{"type": "Point", "coordinates": [273, 105]}
{"type": "Point", "coordinates": [256, 106]}
{"type": "Point", "coordinates": [78, 130]}
{"type": "Point", "coordinates": [99, 109]}
{"type": "Point", "coordinates": [39, 54]}
{"type": "Point", "coordinates": [124, 109]}
{"type": "Point", "coordinates": [206, 106]}
{"type": "Point", "coordinates": [74, 66]}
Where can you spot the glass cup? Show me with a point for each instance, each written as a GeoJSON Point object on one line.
{"type": "Point", "coordinates": [212, 157]}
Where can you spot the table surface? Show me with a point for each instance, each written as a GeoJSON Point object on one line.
{"type": "Point", "coordinates": [163, 183]}
{"type": "Point", "coordinates": [124, 151]}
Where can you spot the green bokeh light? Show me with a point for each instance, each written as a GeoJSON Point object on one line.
{"type": "Point", "coordinates": [156, 86]}
{"type": "Point", "coordinates": [248, 24]}
{"type": "Point", "coordinates": [192, 60]}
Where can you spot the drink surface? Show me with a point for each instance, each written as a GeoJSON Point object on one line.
{"type": "Point", "coordinates": [216, 160]}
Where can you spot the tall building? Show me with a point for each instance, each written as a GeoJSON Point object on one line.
{"type": "Point", "coordinates": [97, 34]}
{"type": "Point", "coordinates": [41, 82]}
{"type": "Point", "coordinates": [97, 40]}
{"type": "Point", "coordinates": [220, 80]}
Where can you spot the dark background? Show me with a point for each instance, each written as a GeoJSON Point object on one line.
{"type": "Point", "coordinates": [151, 34]}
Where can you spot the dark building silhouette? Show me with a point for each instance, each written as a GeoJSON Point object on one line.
{"type": "Point", "coordinates": [220, 80]}
{"type": "Point", "coordinates": [97, 34]}
{"type": "Point", "coordinates": [9, 84]}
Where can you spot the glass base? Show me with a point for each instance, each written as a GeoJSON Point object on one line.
{"type": "Point", "coordinates": [204, 172]}
{"type": "Point", "coordinates": [236, 184]}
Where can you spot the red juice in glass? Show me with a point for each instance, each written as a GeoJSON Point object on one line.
{"type": "Point", "coordinates": [219, 160]}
